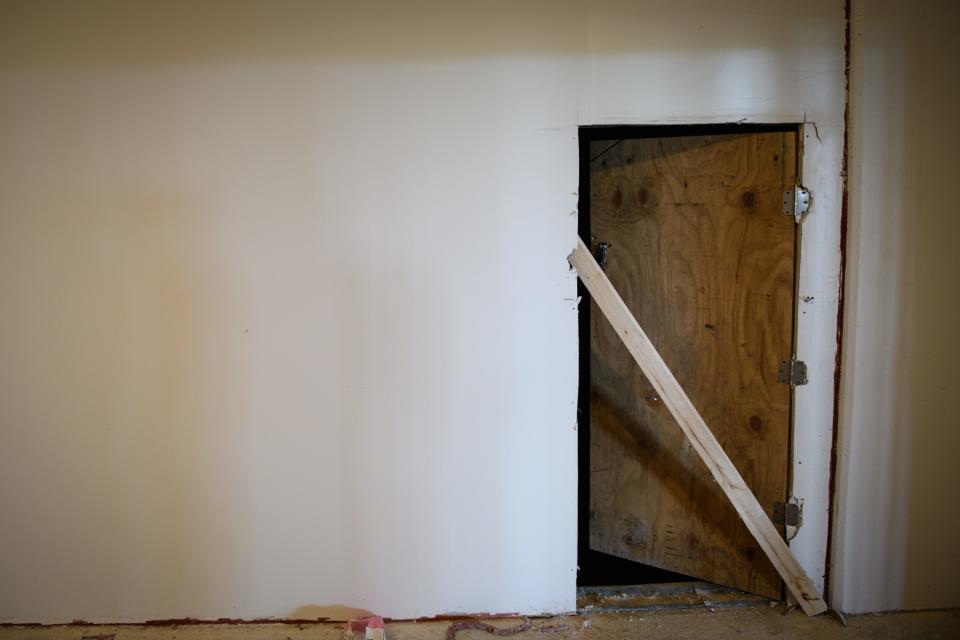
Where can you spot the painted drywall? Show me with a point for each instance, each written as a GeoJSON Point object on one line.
{"type": "Point", "coordinates": [287, 318]}
{"type": "Point", "coordinates": [898, 518]}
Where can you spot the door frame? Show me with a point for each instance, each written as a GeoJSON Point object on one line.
{"type": "Point", "coordinates": [817, 288]}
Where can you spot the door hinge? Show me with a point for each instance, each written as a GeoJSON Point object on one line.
{"type": "Point", "coordinates": [796, 202]}
{"type": "Point", "coordinates": [792, 372]}
{"type": "Point", "coordinates": [789, 513]}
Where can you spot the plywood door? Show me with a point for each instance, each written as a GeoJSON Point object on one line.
{"type": "Point", "coordinates": [704, 257]}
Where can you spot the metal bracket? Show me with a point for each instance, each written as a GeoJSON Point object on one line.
{"type": "Point", "coordinates": [796, 202]}
{"type": "Point", "coordinates": [789, 513]}
{"type": "Point", "coordinates": [600, 255]}
{"type": "Point", "coordinates": [792, 372]}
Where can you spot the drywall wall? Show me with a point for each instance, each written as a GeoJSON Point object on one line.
{"type": "Point", "coordinates": [898, 518]}
{"type": "Point", "coordinates": [287, 317]}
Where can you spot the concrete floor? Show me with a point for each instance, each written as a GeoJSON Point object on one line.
{"type": "Point", "coordinates": [743, 623]}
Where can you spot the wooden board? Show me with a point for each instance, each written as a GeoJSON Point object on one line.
{"type": "Point", "coordinates": [698, 435]}
{"type": "Point", "coordinates": [704, 258]}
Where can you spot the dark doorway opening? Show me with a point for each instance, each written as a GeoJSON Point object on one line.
{"type": "Point", "coordinates": [594, 567]}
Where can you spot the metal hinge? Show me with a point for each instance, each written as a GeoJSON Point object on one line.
{"type": "Point", "coordinates": [796, 202]}
{"type": "Point", "coordinates": [789, 513]}
{"type": "Point", "coordinates": [792, 372]}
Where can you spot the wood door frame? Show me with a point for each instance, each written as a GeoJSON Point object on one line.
{"type": "Point", "coordinates": [815, 326]}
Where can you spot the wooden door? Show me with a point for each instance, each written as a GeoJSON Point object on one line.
{"type": "Point", "coordinates": [703, 255]}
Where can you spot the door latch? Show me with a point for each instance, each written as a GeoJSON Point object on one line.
{"type": "Point", "coordinates": [600, 255]}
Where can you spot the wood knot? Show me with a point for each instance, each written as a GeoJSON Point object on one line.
{"type": "Point", "coordinates": [617, 199]}
{"type": "Point", "coordinates": [748, 198]}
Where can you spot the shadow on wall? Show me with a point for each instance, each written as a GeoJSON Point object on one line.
{"type": "Point", "coordinates": [115, 475]}
{"type": "Point", "coordinates": [245, 31]}
{"type": "Point", "coordinates": [898, 516]}
{"type": "Point", "coordinates": [179, 32]}
{"type": "Point", "coordinates": [931, 314]}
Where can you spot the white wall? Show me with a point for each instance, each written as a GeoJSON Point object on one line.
{"type": "Point", "coordinates": [287, 321]}
{"type": "Point", "coordinates": [898, 517]}
{"type": "Point", "coordinates": [285, 309]}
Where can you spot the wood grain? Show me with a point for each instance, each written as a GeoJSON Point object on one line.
{"type": "Point", "coordinates": [704, 259]}
{"type": "Point", "coordinates": [698, 435]}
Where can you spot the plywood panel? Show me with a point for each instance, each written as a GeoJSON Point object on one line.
{"type": "Point", "coordinates": [704, 259]}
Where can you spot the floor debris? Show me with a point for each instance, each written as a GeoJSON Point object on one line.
{"type": "Point", "coordinates": [729, 623]}
{"type": "Point", "coordinates": [489, 628]}
{"type": "Point", "coordinates": [366, 628]}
